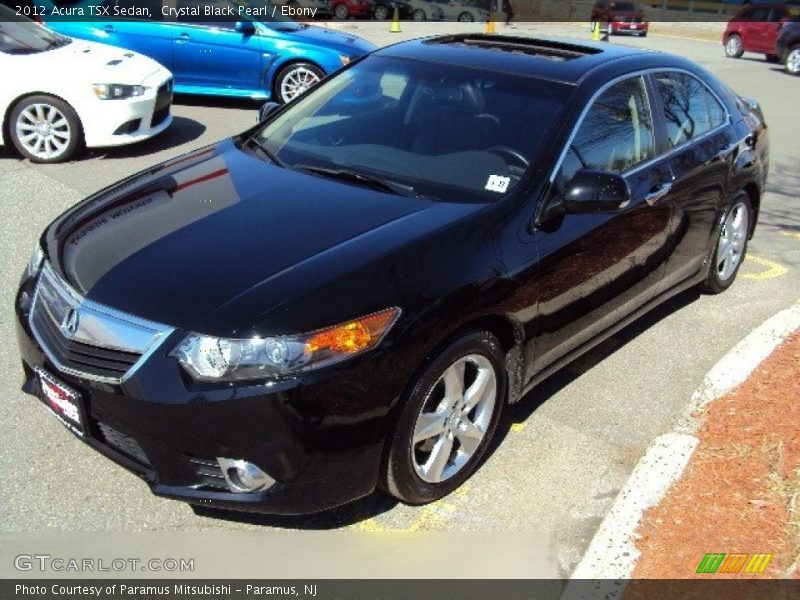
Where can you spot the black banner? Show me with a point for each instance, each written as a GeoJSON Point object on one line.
{"type": "Point", "coordinates": [381, 589]}
{"type": "Point", "coordinates": [209, 11]}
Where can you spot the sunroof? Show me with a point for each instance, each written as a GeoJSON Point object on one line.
{"type": "Point", "coordinates": [529, 46]}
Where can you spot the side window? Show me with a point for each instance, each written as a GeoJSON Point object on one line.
{"type": "Point", "coordinates": [616, 134]}
{"type": "Point", "coordinates": [759, 14]}
{"type": "Point", "coordinates": [686, 107]}
{"type": "Point", "coordinates": [716, 114]}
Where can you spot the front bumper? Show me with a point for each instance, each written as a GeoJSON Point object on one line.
{"type": "Point", "coordinates": [120, 122]}
{"type": "Point", "coordinates": [319, 437]}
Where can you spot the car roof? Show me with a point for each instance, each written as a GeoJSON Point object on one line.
{"type": "Point", "coordinates": [565, 61]}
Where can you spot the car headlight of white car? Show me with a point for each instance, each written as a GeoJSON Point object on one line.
{"type": "Point", "coordinates": [117, 91]}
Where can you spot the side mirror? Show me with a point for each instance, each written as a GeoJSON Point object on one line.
{"type": "Point", "coordinates": [266, 109]}
{"type": "Point", "coordinates": [596, 192]}
{"type": "Point", "coordinates": [590, 192]}
{"type": "Point", "coordinates": [245, 27]}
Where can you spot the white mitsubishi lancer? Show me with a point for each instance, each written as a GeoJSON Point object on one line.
{"type": "Point", "coordinates": [58, 94]}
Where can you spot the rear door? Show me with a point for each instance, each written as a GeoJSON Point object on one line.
{"type": "Point", "coordinates": [151, 38]}
{"type": "Point", "coordinates": [702, 145]}
{"type": "Point", "coordinates": [596, 269]}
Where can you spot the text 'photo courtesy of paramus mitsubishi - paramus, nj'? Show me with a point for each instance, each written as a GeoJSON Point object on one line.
{"type": "Point", "coordinates": [345, 296]}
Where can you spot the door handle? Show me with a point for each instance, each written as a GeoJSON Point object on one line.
{"type": "Point", "coordinates": [657, 193]}
{"type": "Point", "coordinates": [184, 37]}
{"type": "Point", "coordinates": [109, 29]}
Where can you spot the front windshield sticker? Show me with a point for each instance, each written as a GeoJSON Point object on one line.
{"type": "Point", "coordinates": [497, 183]}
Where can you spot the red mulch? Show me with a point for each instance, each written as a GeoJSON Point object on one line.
{"type": "Point", "coordinates": [741, 490]}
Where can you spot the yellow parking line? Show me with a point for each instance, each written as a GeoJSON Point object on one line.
{"type": "Point", "coordinates": [794, 234]}
{"type": "Point", "coordinates": [771, 269]}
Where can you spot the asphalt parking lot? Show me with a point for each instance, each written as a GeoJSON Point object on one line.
{"type": "Point", "coordinates": [566, 449]}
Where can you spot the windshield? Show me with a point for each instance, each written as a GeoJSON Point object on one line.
{"type": "Point", "coordinates": [447, 132]}
{"type": "Point", "coordinates": [27, 37]}
{"type": "Point", "coordinates": [623, 6]}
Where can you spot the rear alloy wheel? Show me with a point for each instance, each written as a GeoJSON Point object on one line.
{"type": "Point", "coordinates": [734, 47]}
{"type": "Point", "coordinates": [296, 79]}
{"type": "Point", "coordinates": [341, 12]}
{"type": "Point", "coordinates": [45, 129]}
{"type": "Point", "coordinates": [381, 12]}
{"type": "Point", "coordinates": [793, 61]}
{"type": "Point", "coordinates": [731, 246]}
{"type": "Point", "coordinates": [448, 420]}
{"type": "Point", "coordinates": [419, 15]}
{"type": "Point", "coordinates": [466, 17]}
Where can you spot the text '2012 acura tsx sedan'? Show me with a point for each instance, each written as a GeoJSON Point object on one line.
{"type": "Point", "coordinates": [346, 296]}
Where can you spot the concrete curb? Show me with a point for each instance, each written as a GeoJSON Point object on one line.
{"type": "Point", "coordinates": [612, 553]}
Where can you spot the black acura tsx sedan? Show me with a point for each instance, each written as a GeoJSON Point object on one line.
{"type": "Point", "coordinates": [345, 297]}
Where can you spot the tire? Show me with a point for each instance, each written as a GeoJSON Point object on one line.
{"type": "Point", "coordinates": [730, 248]}
{"type": "Point", "coordinates": [792, 64]}
{"type": "Point", "coordinates": [294, 80]}
{"type": "Point", "coordinates": [45, 129]}
{"type": "Point", "coordinates": [643, 34]}
{"type": "Point", "coordinates": [734, 48]}
{"type": "Point", "coordinates": [419, 15]}
{"type": "Point", "coordinates": [341, 12]}
{"type": "Point", "coordinates": [772, 58]}
{"type": "Point", "coordinates": [449, 449]}
{"type": "Point", "coordinates": [466, 17]}
{"type": "Point", "coordinates": [381, 13]}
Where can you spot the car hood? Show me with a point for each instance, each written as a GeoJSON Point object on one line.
{"type": "Point", "coordinates": [99, 63]}
{"type": "Point", "coordinates": [351, 45]}
{"type": "Point", "coordinates": [179, 242]}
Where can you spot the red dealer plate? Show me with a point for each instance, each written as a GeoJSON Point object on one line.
{"type": "Point", "coordinates": [62, 401]}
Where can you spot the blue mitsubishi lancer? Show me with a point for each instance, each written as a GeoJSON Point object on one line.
{"type": "Point", "coordinates": [263, 55]}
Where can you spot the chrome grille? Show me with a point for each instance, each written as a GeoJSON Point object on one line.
{"type": "Point", "coordinates": [209, 473]}
{"type": "Point", "coordinates": [123, 443]}
{"type": "Point", "coordinates": [86, 339]}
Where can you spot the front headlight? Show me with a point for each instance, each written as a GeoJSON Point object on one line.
{"type": "Point", "coordinates": [209, 358]}
{"type": "Point", "coordinates": [35, 263]}
{"type": "Point", "coordinates": [117, 91]}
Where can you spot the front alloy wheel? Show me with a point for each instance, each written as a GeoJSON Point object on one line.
{"type": "Point", "coordinates": [381, 13]}
{"type": "Point", "coordinates": [466, 17]}
{"type": "Point", "coordinates": [448, 420]}
{"type": "Point", "coordinates": [45, 129]}
{"type": "Point", "coordinates": [734, 47]}
{"type": "Point", "coordinates": [295, 80]}
{"type": "Point", "coordinates": [341, 12]}
{"type": "Point", "coordinates": [793, 61]}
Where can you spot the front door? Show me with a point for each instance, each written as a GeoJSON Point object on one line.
{"type": "Point", "coordinates": [595, 269]}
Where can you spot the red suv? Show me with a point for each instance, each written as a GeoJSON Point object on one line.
{"type": "Point", "coordinates": [755, 29]}
{"type": "Point", "coordinates": [622, 17]}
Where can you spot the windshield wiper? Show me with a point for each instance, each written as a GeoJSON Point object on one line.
{"type": "Point", "coordinates": [265, 151]}
{"type": "Point", "coordinates": [385, 185]}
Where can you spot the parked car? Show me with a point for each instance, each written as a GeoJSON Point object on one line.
{"type": "Point", "coordinates": [464, 11]}
{"type": "Point", "coordinates": [426, 10]}
{"type": "Point", "coordinates": [755, 28]}
{"type": "Point", "coordinates": [787, 46]}
{"type": "Point", "coordinates": [384, 9]}
{"type": "Point", "coordinates": [60, 95]}
{"type": "Point", "coordinates": [621, 17]}
{"type": "Point", "coordinates": [262, 59]}
{"type": "Point", "coordinates": [348, 294]}
{"type": "Point", "coordinates": [344, 9]}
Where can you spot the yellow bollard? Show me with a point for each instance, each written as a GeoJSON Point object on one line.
{"type": "Point", "coordinates": [395, 27]}
{"type": "Point", "coordinates": [490, 25]}
{"type": "Point", "coordinates": [596, 32]}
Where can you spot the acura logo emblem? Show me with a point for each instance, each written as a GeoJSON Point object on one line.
{"type": "Point", "coordinates": [70, 323]}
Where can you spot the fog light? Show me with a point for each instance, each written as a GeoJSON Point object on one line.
{"type": "Point", "coordinates": [244, 477]}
